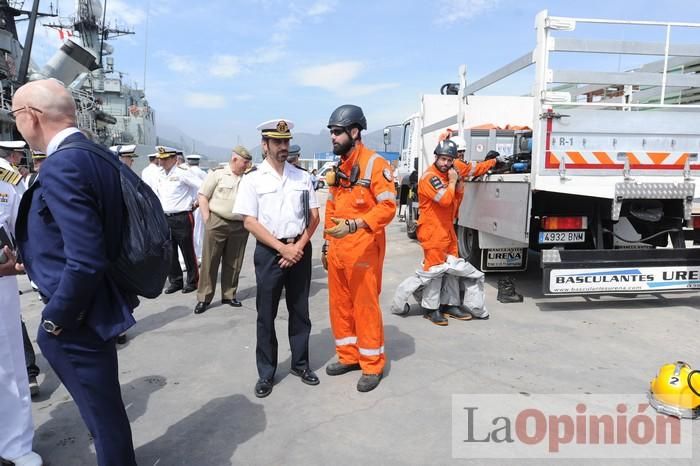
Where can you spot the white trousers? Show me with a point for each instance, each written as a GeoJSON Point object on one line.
{"type": "Point", "coordinates": [198, 234]}
{"type": "Point", "coordinates": [443, 284]}
{"type": "Point", "coordinates": [16, 428]}
{"type": "Point", "coordinates": [198, 239]}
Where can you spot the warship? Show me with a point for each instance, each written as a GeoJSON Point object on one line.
{"type": "Point", "coordinates": [114, 110]}
{"type": "Point", "coordinates": [110, 110]}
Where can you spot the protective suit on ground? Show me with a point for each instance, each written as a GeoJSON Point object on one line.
{"type": "Point", "coordinates": [450, 280]}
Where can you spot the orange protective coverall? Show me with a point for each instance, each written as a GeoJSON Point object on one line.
{"type": "Point", "coordinates": [468, 170]}
{"type": "Point", "coordinates": [436, 202]}
{"type": "Point", "coordinates": [355, 262]}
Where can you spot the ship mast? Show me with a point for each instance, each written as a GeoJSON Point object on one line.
{"type": "Point", "coordinates": [92, 29]}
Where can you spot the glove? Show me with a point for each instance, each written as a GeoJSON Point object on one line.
{"type": "Point", "coordinates": [342, 228]}
{"type": "Point", "coordinates": [324, 256]}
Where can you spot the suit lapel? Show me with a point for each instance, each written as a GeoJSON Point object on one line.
{"type": "Point", "coordinates": [24, 205]}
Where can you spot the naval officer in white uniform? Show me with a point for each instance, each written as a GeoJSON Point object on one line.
{"type": "Point", "coordinates": [193, 165]}
{"type": "Point", "coordinates": [177, 187]}
{"type": "Point", "coordinates": [126, 153]}
{"type": "Point", "coordinates": [279, 207]}
{"type": "Point", "coordinates": [152, 172]}
{"type": "Point", "coordinates": [12, 153]}
{"type": "Point", "coordinates": [16, 428]}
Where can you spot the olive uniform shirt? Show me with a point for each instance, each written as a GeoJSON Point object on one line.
{"type": "Point", "coordinates": [220, 187]}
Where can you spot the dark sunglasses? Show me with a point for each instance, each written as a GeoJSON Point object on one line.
{"type": "Point", "coordinates": [13, 113]}
{"type": "Point", "coordinates": [337, 131]}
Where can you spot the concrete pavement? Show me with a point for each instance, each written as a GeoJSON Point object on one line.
{"type": "Point", "coordinates": [187, 380]}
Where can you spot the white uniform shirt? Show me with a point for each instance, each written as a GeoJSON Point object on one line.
{"type": "Point", "coordinates": [198, 171]}
{"type": "Point", "coordinates": [150, 175]}
{"type": "Point", "coordinates": [21, 187]}
{"type": "Point", "coordinates": [177, 190]}
{"type": "Point", "coordinates": [276, 202]}
{"type": "Point", "coordinates": [9, 202]}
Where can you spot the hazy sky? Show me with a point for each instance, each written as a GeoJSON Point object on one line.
{"type": "Point", "coordinates": [215, 69]}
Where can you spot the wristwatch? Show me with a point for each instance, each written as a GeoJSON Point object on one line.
{"type": "Point", "coordinates": [49, 326]}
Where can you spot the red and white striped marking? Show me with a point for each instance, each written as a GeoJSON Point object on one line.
{"type": "Point", "coordinates": [602, 159]}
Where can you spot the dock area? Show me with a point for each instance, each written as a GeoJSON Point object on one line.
{"type": "Point", "coordinates": [187, 380]}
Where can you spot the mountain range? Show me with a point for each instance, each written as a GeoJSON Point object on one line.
{"type": "Point", "coordinates": [309, 143]}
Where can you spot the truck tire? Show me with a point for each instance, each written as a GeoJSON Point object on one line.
{"type": "Point", "coordinates": [468, 242]}
{"type": "Point", "coordinates": [411, 221]}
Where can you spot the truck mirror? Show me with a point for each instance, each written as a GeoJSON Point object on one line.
{"type": "Point", "coordinates": [387, 136]}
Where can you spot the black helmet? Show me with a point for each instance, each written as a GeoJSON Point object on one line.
{"type": "Point", "coordinates": [492, 154]}
{"type": "Point", "coordinates": [346, 116]}
{"type": "Point", "coordinates": [447, 148]}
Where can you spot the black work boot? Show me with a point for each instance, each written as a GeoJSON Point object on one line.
{"type": "Point", "coordinates": [338, 368]}
{"type": "Point", "coordinates": [368, 382]}
{"type": "Point", "coordinates": [435, 316]}
{"type": "Point", "coordinates": [507, 293]}
{"type": "Point", "coordinates": [455, 312]}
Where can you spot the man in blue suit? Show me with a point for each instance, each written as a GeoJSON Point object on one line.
{"type": "Point", "coordinates": [68, 231]}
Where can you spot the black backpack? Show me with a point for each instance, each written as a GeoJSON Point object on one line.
{"type": "Point", "coordinates": [146, 250]}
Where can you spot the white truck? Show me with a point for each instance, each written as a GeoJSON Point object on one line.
{"type": "Point", "coordinates": [603, 181]}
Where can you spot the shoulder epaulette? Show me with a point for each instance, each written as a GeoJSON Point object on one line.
{"type": "Point", "coordinates": [250, 170]}
{"type": "Point", "coordinates": [183, 167]}
{"type": "Point", "coordinates": [300, 168]}
{"type": "Point", "coordinates": [10, 176]}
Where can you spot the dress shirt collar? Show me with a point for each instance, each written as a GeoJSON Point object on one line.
{"type": "Point", "coordinates": [59, 138]}
{"type": "Point", "coordinates": [266, 167]}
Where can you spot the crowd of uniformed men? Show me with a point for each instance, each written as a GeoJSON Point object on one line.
{"type": "Point", "coordinates": [210, 216]}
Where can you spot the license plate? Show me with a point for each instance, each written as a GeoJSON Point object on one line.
{"type": "Point", "coordinates": [562, 237]}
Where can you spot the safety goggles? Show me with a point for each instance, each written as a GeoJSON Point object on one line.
{"type": "Point", "coordinates": [337, 131]}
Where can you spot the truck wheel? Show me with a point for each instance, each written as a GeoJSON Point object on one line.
{"type": "Point", "coordinates": [468, 241]}
{"type": "Point", "coordinates": [411, 224]}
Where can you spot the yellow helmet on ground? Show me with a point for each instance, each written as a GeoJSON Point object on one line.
{"type": "Point", "coordinates": [676, 391]}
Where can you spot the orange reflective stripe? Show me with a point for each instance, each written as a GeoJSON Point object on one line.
{"type": "Point", "coordinates": [633, 159]}
{"type": "Point", "coordinates": [604, 158]}
{"type": "Point", "coordinates": [576, 157]}
{"type": "Point", "coordinates": [658, 157]}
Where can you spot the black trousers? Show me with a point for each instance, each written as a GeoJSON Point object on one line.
{"type": "Point", "coordinates": [182, 228]}
{"type": "Point", "coordinates": [29, 355]}
{"type": "Point", "coordinates": [270, 279]}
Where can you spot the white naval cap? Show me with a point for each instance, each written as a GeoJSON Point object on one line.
{"type": "Point", "coordinates": [279, 128]}
{"type": "Point", "coordinates": [126, 150]}
{"type": "Point", "coordinates": [193, 157]}
{"type": "Point", "coordinates": [163, 152]}
{"type": "Point", "coordinates": [13, 145]}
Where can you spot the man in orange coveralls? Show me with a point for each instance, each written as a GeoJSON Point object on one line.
{"type": "Point", "coordinates": [468, 169]}
{"type": "Point", "coordinates": [361, 202]}
{"type": "Point", "coordinates": [439, 192]}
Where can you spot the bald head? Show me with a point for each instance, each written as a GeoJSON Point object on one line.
{"type": "Point", "coordinates": [42, 109]}
{"type": "Point", "coordinates": [51, 97]}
